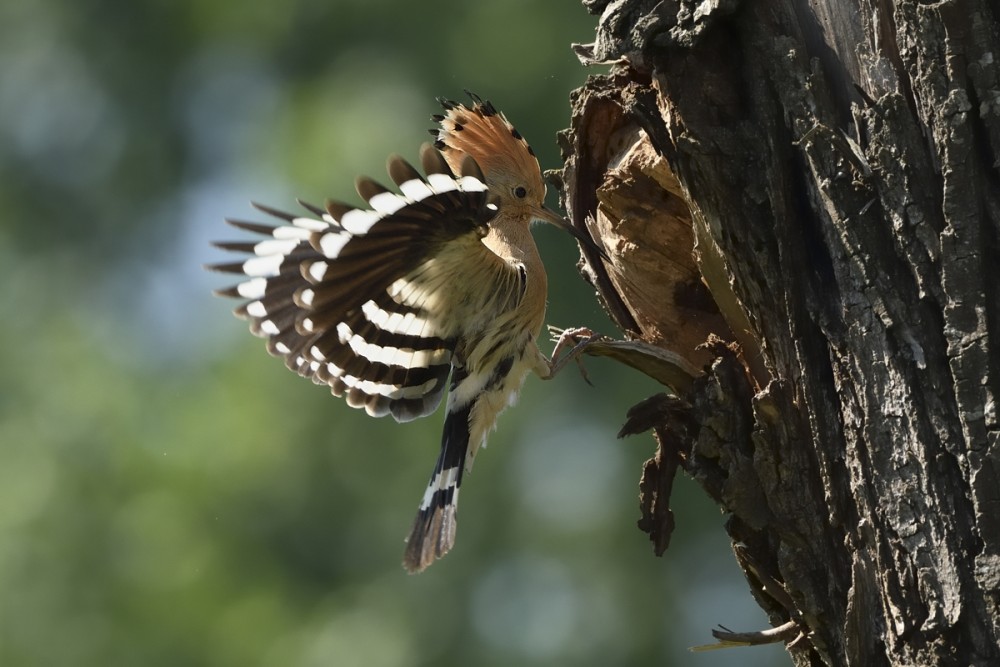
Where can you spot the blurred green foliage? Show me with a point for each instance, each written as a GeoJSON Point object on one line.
{"type": "Point", "coordinates": [169, 494]}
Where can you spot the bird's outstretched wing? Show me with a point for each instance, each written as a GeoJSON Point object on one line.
{"type": "Point", "coordinates": [363, 300]}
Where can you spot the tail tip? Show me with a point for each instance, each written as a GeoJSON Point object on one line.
{"type": "Point", "coordinates": [430, 539]}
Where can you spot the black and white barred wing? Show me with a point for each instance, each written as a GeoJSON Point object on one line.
{"type": "Point", "coordinates": [357, 299]}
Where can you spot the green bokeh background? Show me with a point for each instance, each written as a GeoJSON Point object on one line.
{"type": "Point", "coordinates": [169, 494]}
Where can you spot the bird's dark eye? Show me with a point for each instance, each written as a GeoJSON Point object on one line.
{"type": "Point", "coordinates": [520, 192]}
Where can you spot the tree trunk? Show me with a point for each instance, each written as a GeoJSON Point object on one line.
{"type": "Point", "coordinates": [816, 184]}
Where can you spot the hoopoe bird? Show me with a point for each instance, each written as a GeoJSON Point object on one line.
{"type": "Point", "coordinates": [439, 279]}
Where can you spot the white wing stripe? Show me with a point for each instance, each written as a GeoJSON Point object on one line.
{"type": "Point", "coordinates": [358, 221]}
{"type": "Point", "coordinates": [441, 183]}
{"type": "Point", "coordinates": [252, 289]}
{"type": "Point", "coordinates": [471, 184]}
{"type": "Point", "coordinates": [377, 388]}
{"type": "Point", "coordinates": [397, 323]}
{"type": "Point", "coordinates": [263, 267]}
{"type": "Point", "coordinates": [415, 189]}
{"type": "Point", "coordinates": [409, 293]}
{"type": "Point", "coordinates": [387, 203]}
{"type": "Point", "coordinates": [292, 232]}
{"type": "Point", "coordinates": [391, 356]}
{"type": "Point", "coordinates": [275, 246]}
{"type": "Point", "coordinates": [317, 270]}
{"type": "Point", "coordinates": [312, 225]}
{"type": "Point", "coordinates": [332, 243]}
{"type": "Point", "coordinates": [256, 309]}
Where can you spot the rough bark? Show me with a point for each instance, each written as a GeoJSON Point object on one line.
{"type": "Point", "coordinates": [816, 182]}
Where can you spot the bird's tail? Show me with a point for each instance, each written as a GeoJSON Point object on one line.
{"type": "Point", "coordinates": [433, 532]}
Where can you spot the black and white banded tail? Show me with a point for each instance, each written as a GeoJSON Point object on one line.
{"type": "Point", "coordinates": [474, 401]}
{"type": "Point", "coordinates": [352, 297]}
{"type": "Point", "coordinates": [433, 531]}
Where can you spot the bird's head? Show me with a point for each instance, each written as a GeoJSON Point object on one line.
{"type": "Point", "coordinates": [507, 161]}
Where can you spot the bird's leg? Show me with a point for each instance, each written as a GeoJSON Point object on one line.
{"type": "Point", "coordinates": [579, 338]}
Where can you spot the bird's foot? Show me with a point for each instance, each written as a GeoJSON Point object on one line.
{"type": "Point", "coordinates": [578, 338]}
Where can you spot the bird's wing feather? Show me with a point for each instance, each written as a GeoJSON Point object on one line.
{"type": "Point", "coordinates": [360, 299]}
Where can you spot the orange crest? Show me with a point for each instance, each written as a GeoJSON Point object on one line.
{"type": "Point", "coordinates": [485, 134]}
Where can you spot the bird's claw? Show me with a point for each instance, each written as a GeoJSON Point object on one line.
{"type": "Point", "coordinates": [579, 338]}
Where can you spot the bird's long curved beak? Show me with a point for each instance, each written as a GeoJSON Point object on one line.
{"type": "Point", "coordinates": [548, 215]}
